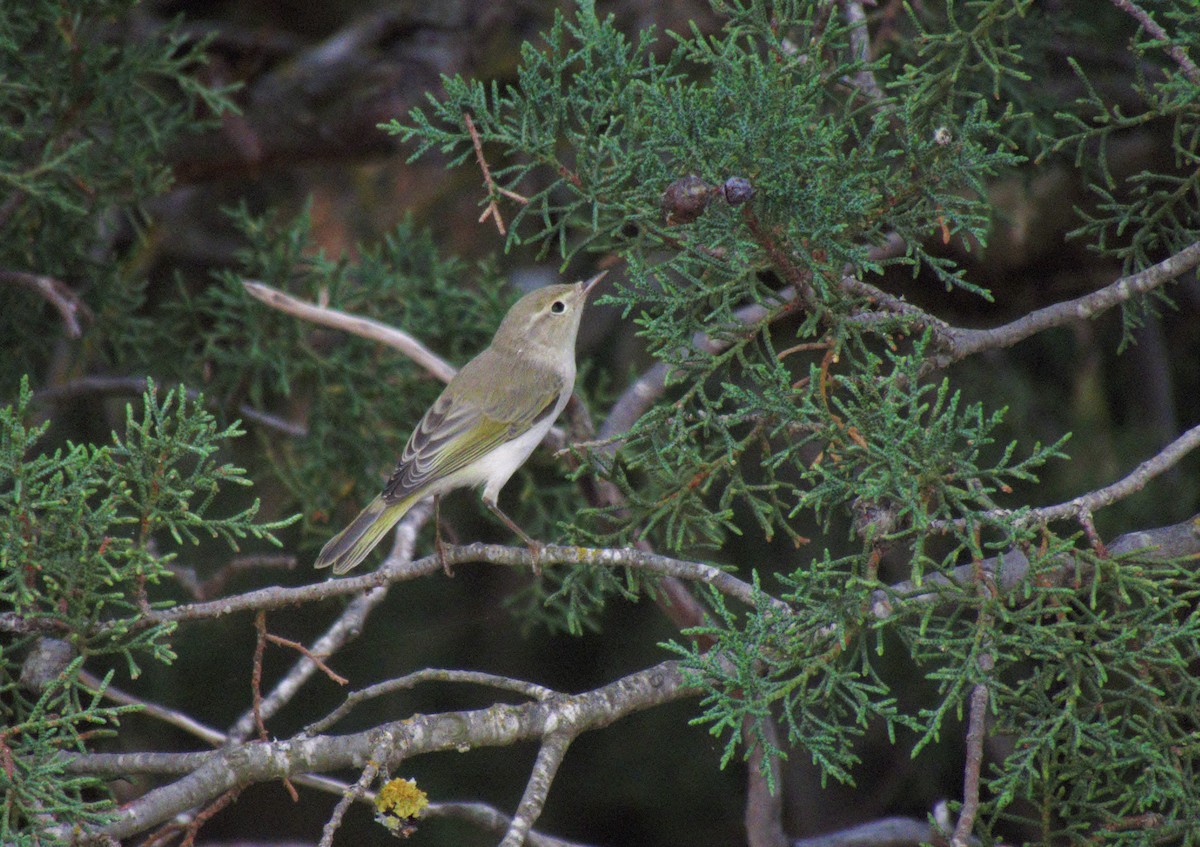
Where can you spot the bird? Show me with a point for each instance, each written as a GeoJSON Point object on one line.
{"type": "Point", "coordinates": [485, 423]}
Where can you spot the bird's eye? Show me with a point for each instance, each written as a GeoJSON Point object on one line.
{"type": "Point", "coordinates": [558, 307]}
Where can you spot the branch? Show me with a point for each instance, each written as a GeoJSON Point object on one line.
{"type": "Point", "coordinates": [886, 832]}
{"type": "Point", "coordinates": [57, 293]}
{"type": "Point", "coordinates": [958, 343]}
{"type": "Point", "coordinates": [1189, 68]}
{"type": "Point", "coordinates": [487, 817]}
{"type": "Point", "coordinates": [1081, 507]}
{"type": "Point", "coordinates": [212, 773]}
{"type": "Point", "coordinates": [276, 597]}
{"type": "Point", "coordinates": [175, 718]}
{"type": "Point", "coordinates": [347, 627]}
{"type": "Point", "coordinates": [1010, 570]}
{"type": "Point", "coordinates": [763, 815]}
{"type": "Point", "coordinates": [1131, 484]}
{"type": "Point", "coordinates": [403, 683]}
{"type": "Point", "coordinates": [549, 757]}
{"type": "Point", "coordinates": [374, 330]}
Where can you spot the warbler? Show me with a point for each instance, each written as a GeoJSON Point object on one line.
{"type": "Point", "coordinates": [486, 422]}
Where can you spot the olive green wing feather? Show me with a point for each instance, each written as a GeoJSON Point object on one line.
{"type": "Point", "coordinates": [483, 407]}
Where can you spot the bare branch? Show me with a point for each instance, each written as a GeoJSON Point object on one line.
{"type": "Point", "coordinates": [1081, 507]}
{"type": "Point", "coordinates": [379, 689]}
{"type": "Point", "coordinates": [487, 817]}
{"type": "Point", "coordinates": [367, 328]}
{"type": "Point", "coordinates": [549, 757]}
{"type": "Point", "coordinates": [1167, 458]}
{"type": "Point", "coordinates": [860, 45]}
{"type": "Point", "coordinates": [976, 715]}
{"type": "Point", "coordinates": [369, 772]}
{"type": "Point", "coordinates": [175, 718]}
{"type": "Point", "coordinates": [886, 832]}
{"type": "Point", "coordinates": [763, 816]}
{"type": "Point", "coordinates": [210, 774]}
{"type": "Point", "coordinates": [959, 343]}
{"type": "Point", "coordinates": [1189, 68]}
{"type": "Point", "coordinates": [492, 554]}
{"type": "Point", "coordinates": [57, 293]}
{"type": "Point", "coordinates": [347, 627]}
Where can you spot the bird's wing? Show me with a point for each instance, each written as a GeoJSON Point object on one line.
{"type": "Point", "coordinates": [455, 432]}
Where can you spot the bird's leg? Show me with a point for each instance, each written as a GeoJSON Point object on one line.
{"type": "Point", "coordinates": [438, 546]}
{"type": "Point", "coordinates": [535, 548]}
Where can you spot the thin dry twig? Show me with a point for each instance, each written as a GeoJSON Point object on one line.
{"type": "Point", "coordinates": [204, 815]}
{"type": "Point", "coordinates": [958, 343]}
{"type": "Point", "coordinates": [492, 210]}
{"type": "Point", "coordinates": [976, 715]}
{"type": "Point", "coordinates": [163, 713]}
{"type": "Point", "coordinates": [347, 627]}
{"type": "Point", "coordinates": [369, 772]}
{"type": "Point", "coordinates": [260, 643]}
{"type": "Point", "coordinates": [1082, 507]}
{"type": "Point", "coordinates": [763, 815]}
{"type": "Point", "coordinates": [487, 817]}
{"type": "Point", "coordinates": [374, 330]}
{"type": "Point", "coordinates": [404, 683]}
{"type": "Point", "coordinates": [316, 659]}
{"type": "Point", "coordinates": [57, 293]}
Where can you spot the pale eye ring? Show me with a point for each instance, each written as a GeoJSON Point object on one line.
{"type": "Point", "coordinates": [558, 307]}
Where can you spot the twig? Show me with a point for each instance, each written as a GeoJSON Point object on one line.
{"type": "Point", "coordinates": [347, 626]}
{"type": "Point", "coordinates": [206, 589]}
{"type": "Point", "coordinates": [207, 813]}
{"type": "Point", "coordinates": [1081, 507]}
{"type": "Point", "coordinates": [860, 45]}
{"type": "Point", "coordinates": [369, 772]}
{"type": "Point", "coordinates": [504, 683]}
{"type": "Point", "coordinates": [886, 832]}
{"type": "Point", "coordinates": [549, 757]}
{"type": "Point", "coordinates": [260, 643]}
{"type": "Point", "coordinates": [57, 293]}
{"type": "Point", "coordinates": [1189, 68]}
{"type": "Point", "coordinates": [175, 718]}
{"type": "Point", "coordinates": [488, 817]}
{"type": "Point", "coordinates": [959, 343]}
{"type": "Point", "coordinates": [374, 330]}
{"type": "Point", "coordinates": [976, 715]}
{"type": "Point", "coordinates": [1167, 458]}
{"type": "Point", "coordinates": [315, 658]}
{"type": "Point", "coordinates": [492, 210]}
{"type": "Point", "coordinates": [763, 815]}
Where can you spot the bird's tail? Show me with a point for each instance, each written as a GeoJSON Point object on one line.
{"type": "Point", "coordinates": [352, 544]}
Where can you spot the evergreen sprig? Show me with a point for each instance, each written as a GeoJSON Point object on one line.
{"type": "Point", "coordinates": [86, 533]}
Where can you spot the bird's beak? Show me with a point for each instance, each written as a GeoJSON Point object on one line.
{"type": "Point", "coordinates": [593, 282]}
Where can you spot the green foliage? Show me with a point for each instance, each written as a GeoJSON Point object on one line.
{"type": "Point", "coordinates": [86, 115]}
{"type": "Point", "coordinates": [87, 533]}
{"type": "Point", "coordinates": [783, 406]}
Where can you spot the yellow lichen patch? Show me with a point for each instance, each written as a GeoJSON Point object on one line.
{"type": "Point", "coordinates": [397, 803]}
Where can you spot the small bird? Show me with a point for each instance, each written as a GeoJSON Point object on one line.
{"type": "Point", "coordinates": [486, 422]}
